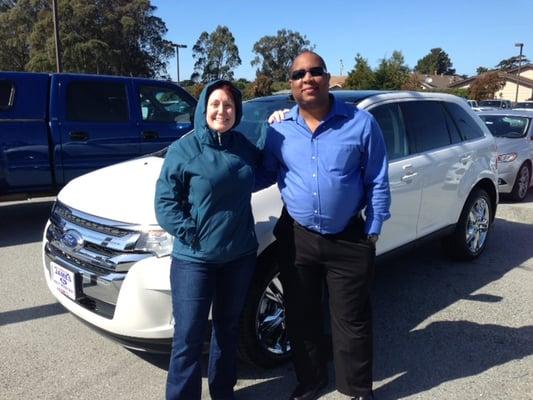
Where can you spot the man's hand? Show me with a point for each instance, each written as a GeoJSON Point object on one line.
{"type": "Point", "coordinates": [277, 116]}
{"type": "Point", "coordinates": [373, 238]}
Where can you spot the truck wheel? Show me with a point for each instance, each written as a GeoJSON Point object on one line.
{"type": "Point", "coordinates": [521, 184]}
{"type": "Point", "coordinates": [472, 230]}
{"type": "Point", "coordinates": [263, 340]}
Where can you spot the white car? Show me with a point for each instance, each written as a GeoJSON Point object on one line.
{"type": "Point", "coordinates": [513, 131]}
{"type": "Point", "coordinates": [107, 261]}
{"type": "Point", "coordinates": [524, 106]}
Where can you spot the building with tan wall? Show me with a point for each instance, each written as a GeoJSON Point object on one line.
{"type": "Point", "coordinates": [508, 92]}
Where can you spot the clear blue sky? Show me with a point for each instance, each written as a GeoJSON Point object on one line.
{"type": "Point", "coordinates": [473, 32]}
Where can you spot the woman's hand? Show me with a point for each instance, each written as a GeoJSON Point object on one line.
{"type": "Point", "coordinates": [277, 116]}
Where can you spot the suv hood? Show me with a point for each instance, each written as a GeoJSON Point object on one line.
{"type": "Point", "coordinates": [122, 192]}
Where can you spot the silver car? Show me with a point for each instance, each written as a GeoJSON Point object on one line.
{"type": "Point", "coordinates": [513, 130]}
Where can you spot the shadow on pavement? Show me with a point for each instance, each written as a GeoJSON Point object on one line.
{"type": "Point", "coordinates": [27, 314]}
{"type": "Point", "coordinates": [23, 222]}
{"type": "Point", "coordinates": [418, 354]}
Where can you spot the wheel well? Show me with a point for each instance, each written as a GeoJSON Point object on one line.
{"type": "Point", "coordinates": [528, 163]}
{"type": "Point", "coordinates": [488, 186]}
{"type": "Point", "coordinates": [268, 252]}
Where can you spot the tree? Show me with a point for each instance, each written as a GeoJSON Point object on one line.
{"type": "Point", "coordinates": [216, 55]}
{"type": "Point", "coordinates": [275, 53]}
{"type": "Point", "coordinates": [435, 63]}
{"type": "Point", "coordinates": [6, 5]}
{"type": "Point", "coordinates": [392, 73]}
{"type": "Point", "coordinates": [361, 76]}
{"type": "Point", "coordinates": [412, 83]}
{"type": "Point", "coordinates": [481, 70]}
{"type": "Point", "coordinates": [511, 62]}
{"type": "Point", "coordinates": [485, 86]}
{"type": "Point", "coordinates": [116, 37]}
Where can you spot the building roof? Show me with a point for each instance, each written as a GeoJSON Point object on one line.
{"type": "Point", "coordinates": [508, 76]}
{"type": "Point", "coordinates": [436, 81]}
{"type": "Point", "coordinates": [336, 81]}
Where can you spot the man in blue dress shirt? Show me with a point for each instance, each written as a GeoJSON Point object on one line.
{"type": "Point", "coordinates": [330, 163]}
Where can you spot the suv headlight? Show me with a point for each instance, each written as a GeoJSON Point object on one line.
{"type": "Point", "coordinates": [507, 157]}
{"type": "Point", "coordinates": [156, 241]}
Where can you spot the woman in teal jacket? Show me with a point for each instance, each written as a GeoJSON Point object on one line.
{"type": "Point", "coordinates": [203, 199]}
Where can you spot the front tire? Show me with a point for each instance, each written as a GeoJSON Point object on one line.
{"type": "Point", "coordinates": [264, 340]}
{"type": "Point", "coordinates": [472, 230]}
{"type": "Point", "coordinates": [521, 184]}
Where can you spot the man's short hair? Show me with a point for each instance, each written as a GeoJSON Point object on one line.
{"type": "Point", "coordinates": [322, 62]}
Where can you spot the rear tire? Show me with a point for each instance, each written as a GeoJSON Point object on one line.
{"type": "Point", "coordinates": [263, 332]}
{"type": "Point", "coordinates": [521, 185]}
{"type": "Point", "coordinates": [471, 233]}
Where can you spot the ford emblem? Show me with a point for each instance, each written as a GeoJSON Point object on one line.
{"type": "Point", "coordinates": [72, 240]}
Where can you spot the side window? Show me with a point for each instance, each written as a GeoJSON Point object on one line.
{"type": "Point", "coordinates": [160, 104]}
{"type": "Point", "coordinates": [389, 118]}
{"type": "Point", "coordinates": [7, 91]}
{"type": "Point", "coordinates": [426, 124]}
{"type": "Point", "coordinates": [468, 128]}
{"type": "Point", "coordinates": [97, 102]}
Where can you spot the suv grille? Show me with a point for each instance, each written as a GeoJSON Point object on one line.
{"type": "Point", "coordinates": [98, 251]}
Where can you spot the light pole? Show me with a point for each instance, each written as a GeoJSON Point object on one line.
{"type": "Point", "coordinates": [178, 47]}
{"type": "Point", "coordinates": [56, 35]}
{"type": "Point", "coordinates": [518, 73]}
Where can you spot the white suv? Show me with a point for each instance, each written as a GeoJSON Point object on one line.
{"type": "Point", "coordinates": [107, 261]}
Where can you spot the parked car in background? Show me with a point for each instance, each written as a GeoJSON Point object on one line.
{"type": "Point", "coordinates": [107, 261]}
{"type": "Point", "coordinates": [472, 103]}
{"type": "Point", "coordinates": [513, 130]}
{"type": "Point", "coordinates": [524, 105]}
{"type": "Point", "coordinates": [55, 127]}
{"type": "Point", "coordinates": [484, 105]}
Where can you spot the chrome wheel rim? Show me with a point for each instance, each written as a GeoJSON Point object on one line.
{"type": "Point", "coordinates": [270, 326]}
{"type": "Point", "coordinates": [523, 182]}
{"type": "Point", "coordinates": [477, 225]}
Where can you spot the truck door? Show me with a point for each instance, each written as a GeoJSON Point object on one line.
{"type": "Point", "coordinates": [165, 112]}
{"type": "Point", "coordinates": [93, 117]}
{"type": "Point", "coordinates": [25, 165]}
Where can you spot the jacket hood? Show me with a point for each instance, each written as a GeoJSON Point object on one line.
{"type": "Point", "coordinates": [200, 123]}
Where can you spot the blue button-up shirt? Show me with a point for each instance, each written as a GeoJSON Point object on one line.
{"type": "Point", "coordinates": [327, 177]}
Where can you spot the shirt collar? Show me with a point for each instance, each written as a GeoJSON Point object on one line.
{"type": "Point", "coordinates": [338, 107]}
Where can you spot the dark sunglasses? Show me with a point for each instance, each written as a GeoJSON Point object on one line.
{"type": "Point", "coordinates": [300, 73]}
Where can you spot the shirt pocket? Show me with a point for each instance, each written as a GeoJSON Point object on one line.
{"type": "Point", "coordinates": [341, 160]}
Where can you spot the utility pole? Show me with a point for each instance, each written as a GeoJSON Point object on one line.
{"type": "Point", "coordinates": [178, 47]}
{"type": "Point", "coordinates": [56, 36]}
{"type": "Point", "coordinates": [518, 73]}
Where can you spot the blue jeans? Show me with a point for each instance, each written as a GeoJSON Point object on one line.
{"type": "Point", "coordinates": [194, 287]}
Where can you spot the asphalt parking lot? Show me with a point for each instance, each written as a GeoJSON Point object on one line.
{"type": "Point", "coordinates": [443, 329]}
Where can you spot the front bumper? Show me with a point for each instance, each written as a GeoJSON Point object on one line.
{"type": "Point", "coordinates": [134, 307]}
{"type": "Point", "coordinates": [507, 176]}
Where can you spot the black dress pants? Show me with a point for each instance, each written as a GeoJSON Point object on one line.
{"type": "Point", "coordinates": [346, 262]}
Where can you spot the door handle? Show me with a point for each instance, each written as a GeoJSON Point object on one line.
{"type": "Point", "coordinates": [409, 173]}
{"type": "Point", "coordinates": [465, 158]}
{"type": "Point", "coordinates": [79, 136]}
{"type": "Point", "coordinates": [407, 178]}
{"type": "Point", "coordinates": [150, 135]}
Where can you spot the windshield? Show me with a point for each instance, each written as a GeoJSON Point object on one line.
{"type": "Point", "coordinates": [255, 113]}
{"type": "Point", "coordinates": [524, 105]}
{"type": "Point", "coordinates": [254, 119]}
{"type": "Point", "coordinates": [506, 125]}
{"type": "Point", "coordinates": [490, 103]}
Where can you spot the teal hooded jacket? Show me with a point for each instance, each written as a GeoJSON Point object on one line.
{"type": "Point", "coordinates": [204, 190]}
